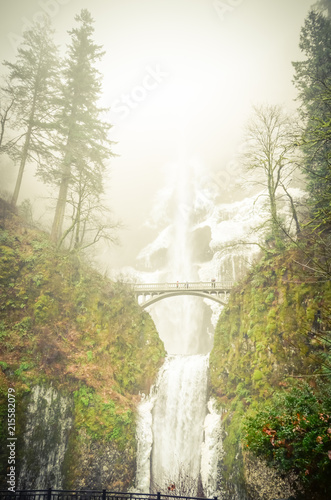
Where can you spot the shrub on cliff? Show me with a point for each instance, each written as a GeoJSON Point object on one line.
{"type": "Point", "coordinates": [275, 331]}
{"type": "Point", "coordinates": [292, 431]}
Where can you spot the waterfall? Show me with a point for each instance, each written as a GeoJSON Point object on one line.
{"type": "Point", "coordinates": [176, 424]}
{"type": "Point", "coordinates": [145, 443]}
{"type": "Point", "coordinates": [211, 451]}
{"type": "Point", "coordinates": [179, 411]}
{"type": "Point", "coordinates": [179, 432]}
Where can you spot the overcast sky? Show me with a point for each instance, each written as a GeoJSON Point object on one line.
{"type": "Point", "coordinates": [179, 75]}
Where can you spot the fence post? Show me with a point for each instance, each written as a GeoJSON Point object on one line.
{"type": "Point", "coordinates": [158, 495]}
{"type": "Point", "coordinates": [49, 494]}
{"type": "Point", "coordinates": [103, 494]}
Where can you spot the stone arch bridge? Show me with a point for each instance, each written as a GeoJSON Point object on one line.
{"type": "Point", "coordinates": [154, 292]}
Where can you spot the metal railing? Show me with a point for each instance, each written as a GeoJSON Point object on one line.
{"type": "Point", "coordinates": [51, 494]}
{"type": "Point", "coordinates": [199, 285]}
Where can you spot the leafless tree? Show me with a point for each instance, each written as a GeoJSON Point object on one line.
{"type": "Point", "coordinates": [270, 156]}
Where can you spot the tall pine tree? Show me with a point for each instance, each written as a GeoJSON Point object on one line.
{"type": "Point", "coordinates": [83, 146]}
{"type": "Point", "coordinates": [313, 81]}
{"type": "Point", "coordinates": [30, 88]}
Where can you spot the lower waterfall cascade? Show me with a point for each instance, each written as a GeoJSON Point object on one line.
{"type": "Point", "coordinates": [178, 430]}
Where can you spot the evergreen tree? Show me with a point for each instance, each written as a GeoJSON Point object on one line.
{"type": "Point", "coordinates": [324, 6]}
{"type": "Point", "coordinates": [83, 145]}
{"type": "Point", "coordinates": [30, 87]}
{"type": "Point", "coordinates": [313, 81]}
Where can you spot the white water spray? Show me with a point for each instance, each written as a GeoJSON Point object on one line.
{"type": "Point", "coordinates": [179, 411]}
{"type": "Point", "coordinates": [172, 421]}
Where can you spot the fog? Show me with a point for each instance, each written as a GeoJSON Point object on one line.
{"type": "Point", "coordinates": [180, 78]}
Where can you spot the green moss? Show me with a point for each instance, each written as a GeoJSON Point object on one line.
{"type": "Point", "coordinates": [103, 420]}
{"type": "Point", "coordinates": [61, 323]}
{"type": "Point", "coordinates": [257, 375]}
{"type": "Point", "coordinates": [277, 322]}
{"type": "Point", "coordinates": [45, 309]}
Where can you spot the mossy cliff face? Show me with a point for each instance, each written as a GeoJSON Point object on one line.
{"type": "Point", "coordinates": [64, 326]}
{"type": "Point", "coordinates": [48, 422]}
{"type": "Point", "coordinates": [268, 337]}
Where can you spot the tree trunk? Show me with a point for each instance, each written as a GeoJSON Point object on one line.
{"type": "Point", "coordinates": [294, 212]}
{"type": "Point", "coordinates": [273, 210]}
{"type": "Point", "coordinates": [77, 229]}
{"type": "Point", "coordinates": [272, 199]}
{"type": "Point", "coordinates": [61, 203]}
{"type": "Point", "coordinates": [57, 226]}
{"type": "Point", "coordinates": [22, 164]}
{"type": "Point", "coordinates": [26, 146]}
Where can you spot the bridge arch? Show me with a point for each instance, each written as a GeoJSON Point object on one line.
{"type": "Point", "coordinates": [212, 290]}
{"type": "Point", "coordinates": [165, 295]}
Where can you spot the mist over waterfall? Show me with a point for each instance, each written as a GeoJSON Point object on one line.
{"type": "Point", "coordinates": [171, 420]}
{"type": "Point", "coordinates": [179, 319]}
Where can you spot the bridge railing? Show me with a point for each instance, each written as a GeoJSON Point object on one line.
{"type": "Point", "coordinates": [199, 285]}
{"type": "Point", "coordinates": [51, 494]}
